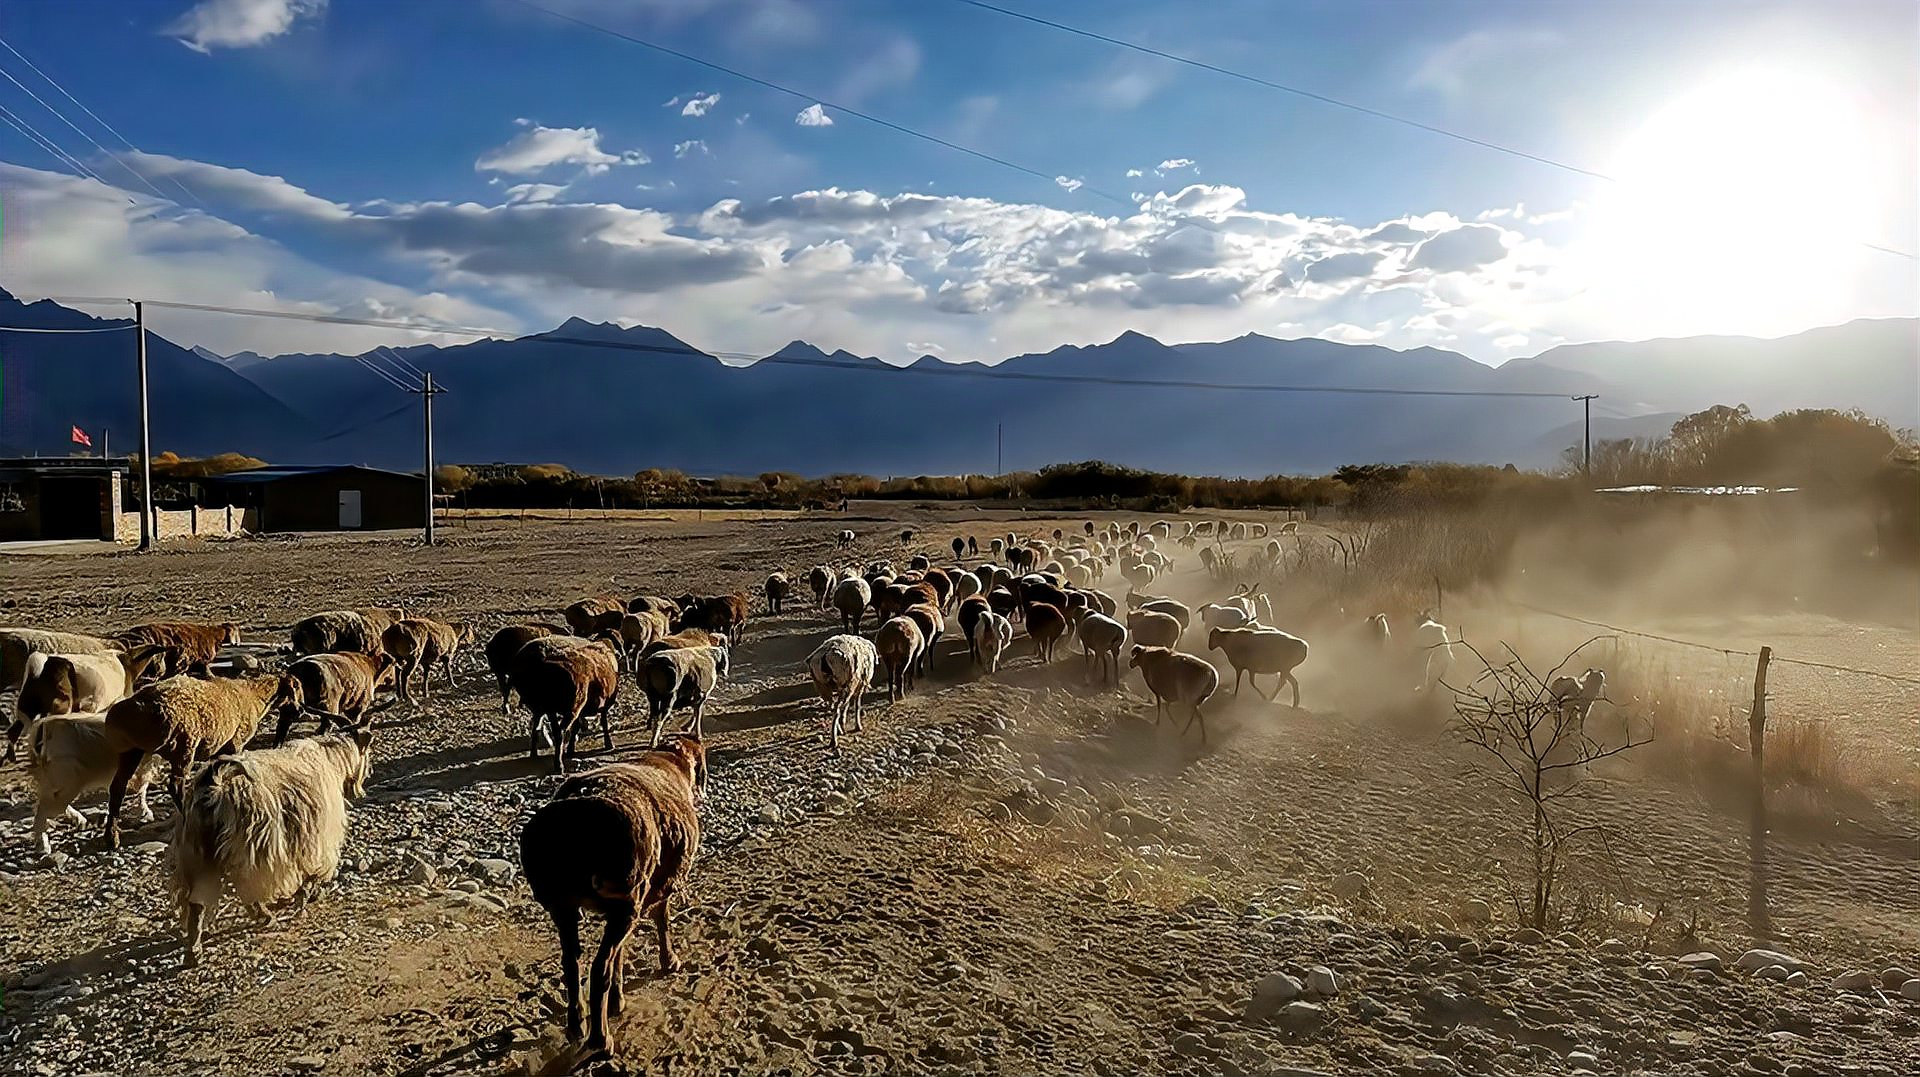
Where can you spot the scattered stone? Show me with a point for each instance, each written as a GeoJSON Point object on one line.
{"type": "Point", "coordinates": [1894, 977]}
{"type": "Point", "coordinates": [1476, 912]}
{"type": "Point", "coordinates": [1853, 981]}
{"type": "Point", "coordinates": [1798, 979]}
{"type": "Point", "coordinates": [1701, 959]}
{"type": "Point", "coordinates": [1614, 946]}
{"type": "Point", "coordinates": [151, 848]}
{"type": "Point", "coordinates": [769, 813]}
{"type": "Point", "coordinates": [1755, 960]}
{"type": "Point", "coordinates": [1440, 1064]}
{"type": "Point", "coordinates": [1774, 972]}
{"type": "Point", "coordinates": [494, 871]}
{"type": "Point", "coordinates": [307, 1063]}
{"type": "Point", "coordinates": [1350, 885]}
{"type": "Point", "coordinates": [421, 872]}
{"type": "Point", "coordinates": [1272, 992]}
{"type": "Point", "coordinates": [1527, 936]}
{"type": "Point", "coordinates": [1322, 982]}
{"type": "Point", "coordinates": [1302, 1015]}
{"type": "Point", "coordinates": [1583, 1059]}
{"type": "Point", "coordinates": [1653, 972]}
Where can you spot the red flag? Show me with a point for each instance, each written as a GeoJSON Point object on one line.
{"type": "Point", "coordinates": [80, 438]}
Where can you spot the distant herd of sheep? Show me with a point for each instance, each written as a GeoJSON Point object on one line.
{"type": "Point", "coordinates": [267, 824]}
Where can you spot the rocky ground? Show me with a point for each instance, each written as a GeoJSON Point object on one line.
{"type": "Point", "coordinates": [1017, 874]}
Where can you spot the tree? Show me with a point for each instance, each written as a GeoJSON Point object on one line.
{"type": "Point", "coordinates": [1544, 753]}
{"type": "Point", "coordinates": [452, 478]}
{"type": "Point", "coordinates": [1695, 439]}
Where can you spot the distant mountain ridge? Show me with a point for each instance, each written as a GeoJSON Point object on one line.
{"type": "Point", "coordinates": [601, 398]}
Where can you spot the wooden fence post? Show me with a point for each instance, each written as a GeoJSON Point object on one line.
{"type": "Point", "coordinates": [1759, 918]}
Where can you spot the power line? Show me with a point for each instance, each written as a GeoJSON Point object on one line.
{"type": "Point", "coordinates": [1284, 88]}
{"type": "Point", "coordinates": [31, 329]}
{"type": "Point", "coordinates": [1326, 99]}
{"type": "Point", "coordinates": [96, 119]}
{"type": "Point", "coordinates": [61, 116]}
{"type": "Point", "coordinates": [942, 370]}
{"type": "Point", "coordinates": [51, 147]}
{"type": "Point", "coordinates": [854, 112]}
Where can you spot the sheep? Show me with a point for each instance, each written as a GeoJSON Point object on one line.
{"type": "Point", "coordinates": [1087, 526]}
{"type": "Point", "coordinates": [686, 637]}
{"type": "Point", "coordinates": [182, 720]}
{"type": "Point", "coordinates": [1046, 624]}
{"type": "Point", "coordinates": [906, 536]}
{"type": "Point", "coordinates": [845, 540]}
{"type": "Point", "coordinates": [992, 635]}
{"type": "Point", "coordinates": [1377, 631]}
{"type": "Point", "coordinates": [506, 643]}
{"type": "Point", "coordinates": [1252, 651]}
{"type": "Point", "coordinates": [600, 613]}
{"type": "Point", "coordinates": [971, 609]}
{"type": "Point", "coordinates": [1002, 601]}
{"type": "Point", "coordinates": [1210, 560]}
{"type": "Point", "coordinates": [851, 598]}
{"type": "Point", "coordinates": [681, 677]}
{"type": "Point", "coordinates": [67, 683]}
{"type": "Point", "coordinates": [71, 754]}
{"type": "Point", "coordinates": [973, 546]}
{"type": "Point", "coordinates": [333, 685]}
{"type": "Point", "coordinates": [189, 646]}
{"type": "Point", "coordinates": [942, 584]}
{"type": "Point", "coordinates": [777, 588]}
{"type": "Point", "coordinates": [965, 585]}
{"type": "Point", "coordinates": [268, 824]}
{"type": "Point", "coordinates": [1258, 530]}
{"type": "Point", "coordinates": [1577, 697]}
{"type": "Point", "coordinates": [1101, 640]}
{"type": "Point", "coordinates": [842, 669]}
{"type": "Point", "coordinates": [1430, 640]}
{"type": "Point", "coordinates": [638, 631]}
{"type": "Point", "coordinates": [339, 631]}
{"type": "Point", "coordinates": [1225, 615]}
{"type": "Point", "coordinates": [899, 643]}
{"type": "Point", "coordinates": [1172, 608]}
{"type": "Point", "coordinates": [617, 841]}
{"type": "Point", "coordinates": [1291, 527]}
{"type": "Point", "coordinates": [1102, 601]}
{"type": "Point", "coordinates": [1153, 629]}
{"type": "Point", "coordinates": [821, 579]}
{"type": "Point", "coordinates": [16, 644]}
{"type": "Point", "coordinates": [959, 547]}
{"type": "Point", "coordinates": [1176, 678]}
{"type": "Point", "coordinates": [720, 613]}
{"type": "Point", "coordinates": [423, 643]}
{"type": "Point", "coordinates": [932, 627]}
{"type": "Point", "coordinates": [655, 604]}
{"type": "Point", "coordinates": [1138, 574]}
{"type": "Point", "coordinates": [996, 547]}
{"type": "Point", "coordinates": [561, 681]}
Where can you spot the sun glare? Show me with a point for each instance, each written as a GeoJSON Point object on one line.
{"type": "Point", "coordinates": [1743, 201]}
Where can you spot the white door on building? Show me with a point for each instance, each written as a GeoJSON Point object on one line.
{"type": "Point", "coordinates": [349, 508]}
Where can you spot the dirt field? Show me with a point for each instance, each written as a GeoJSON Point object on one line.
{"type": "Point", "coordinates": [1015, 874]}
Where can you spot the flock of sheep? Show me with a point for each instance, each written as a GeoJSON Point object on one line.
{"type": "Point", "coordinates": [266, 824]}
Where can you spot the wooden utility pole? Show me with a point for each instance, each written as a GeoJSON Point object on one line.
{"type": "Point", "coordinates": [1586, 440]}
{"type": "Point", "coordinates": [1759, 918]}
{"type": "Point", "coordinates": [146, 431]}
{"type": "Point", "coordinates": [427, 393]}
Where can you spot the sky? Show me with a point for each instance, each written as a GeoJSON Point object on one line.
{"type": "Point", "coordinates": [482, 163]}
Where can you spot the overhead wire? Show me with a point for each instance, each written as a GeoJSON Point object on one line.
{"type": "Point", "coordinates": [901, 128]}
{"type": "Point", "coordinates": [62, 117]}
{"type": "Point", "coordinates": [24, 127]}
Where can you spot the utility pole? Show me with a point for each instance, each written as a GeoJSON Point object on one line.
{"type": "Point", "coordinates": [146, 431]}
{"type": "Point", "coordinates": [106, 438]}
{"type": "Point", "coordinates": [427, 393]}
{"type": "Point", "coordinates": [998, 469]}
{"type": "Point", "coordinates": [1586, 441]}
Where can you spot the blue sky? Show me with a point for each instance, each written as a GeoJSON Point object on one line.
{"type": "Point", "coordinates": [480, 163]}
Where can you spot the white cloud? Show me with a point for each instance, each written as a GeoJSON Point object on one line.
{"type": "Point", "coordinates": [1127, 83]}
{"type": "Point", "coordinates": [239, 24]}
{"type": "Point", "coordinates": [538, 148]}
{"type": "Point", "coordinates": [691, 146]}
{"type": "Point", "coordinates": [1134, 173]}
{"type": "Point", "coordinates": [741, 119]}
{"type": "Point", "coordinates": [1467, 247]}
{"type": "Point", "coordinates": [534, 193]}
{"type": "Point", "coordinates": [671, 102]}
{"type": "Point", "coordinates": [1069, 184]}
{"type": "Point", "coordinates": [700, 104]}
{"type": "Point", "coordinates": [813, 116]}
{"type": "Point", "coordinates": [1174, 164]}
{"type": "Point", "coordinates": [1477, 60]}
{"type": "Point", "coordinates": [892, 64]}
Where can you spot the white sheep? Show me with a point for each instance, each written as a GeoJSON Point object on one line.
{"type": "Point", "coordinates": [681, 677]}
{"type": "Point", "coordinates": [965, 586]}
{"type": "Point", "coordinates": [992, 635]}
{"type": "Point", "coordinates": [1176, 678]}
{"type": "Point", "coordinates": [846, 539]}
{"type": "Point", "coordinates": [72, 754]}
{"type": "Point", "coordinates": [72, 683]}
{"type": "Point", "coordinates": [1430, 640]}
{"type": "Point", "coordinates": [1577, 697]}
{"type": "Point", "coordinates": [1101, 640]}
{"type": "Point", "coordinates": [850, 600]}
{"type": "Point", "coordinates": [842, 669]}
{"type": "Point", "coordinates": [268, 823]}
{"type": "Point", "coordinates": [1228, 614]}
{"type": "Point", "coordinates": [1253, 651]}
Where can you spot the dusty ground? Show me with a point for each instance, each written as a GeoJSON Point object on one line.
{"type": "Point", "coordinates": [1010, 875]}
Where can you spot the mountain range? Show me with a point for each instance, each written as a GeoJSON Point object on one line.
{"type": "Point", "coordinates": [605, 399]}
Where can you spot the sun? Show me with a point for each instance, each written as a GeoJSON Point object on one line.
{"type": "Point", "coordinates": [1739, 204]}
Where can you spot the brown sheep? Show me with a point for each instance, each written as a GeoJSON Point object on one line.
{"type": "Point", "coordinates": [504, 644]}
{"type": "Point", "coordinates": [926, 616]}
{"type": "Point", "coordinates": [942, 584]}
{"type": "Point", "coordinates": [344, 631]}
{"type": "Point", "coordinates": [1002, 602]}
{"type": "Point", "coordinates": [588, 616]}
{"type": "Point", "coordinates": [1046, 624]}
{"type": "Point", "coordinates": [637, 630]}
{"type": "Point", "coordinates": [617, 841]}
{"type": "Point", "coordinates": [656, 604]}
{"type": "Point", "coordinates": [1174, 677]}
{"type": "Point", "coordinates": [564, 680]}
{"type": "Point", "coordinates": [189, 646]}
{"type": "Point", "coordinates": [821, 579]}
{"type": "Point", "coordinates": [686, 637]}
{"type": "Point", "coordinates": [899, 642]}
{"type": "Point", "coordinates": [777, 588]}
{"type": "Point", "coordinates": [332, 686]}
{"type": "Point", "coordinates": [422, 643]}
{"type": "Point", "coordinates": [720, 613]}
{"type": "Point", "coordinates": [181, 720]}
